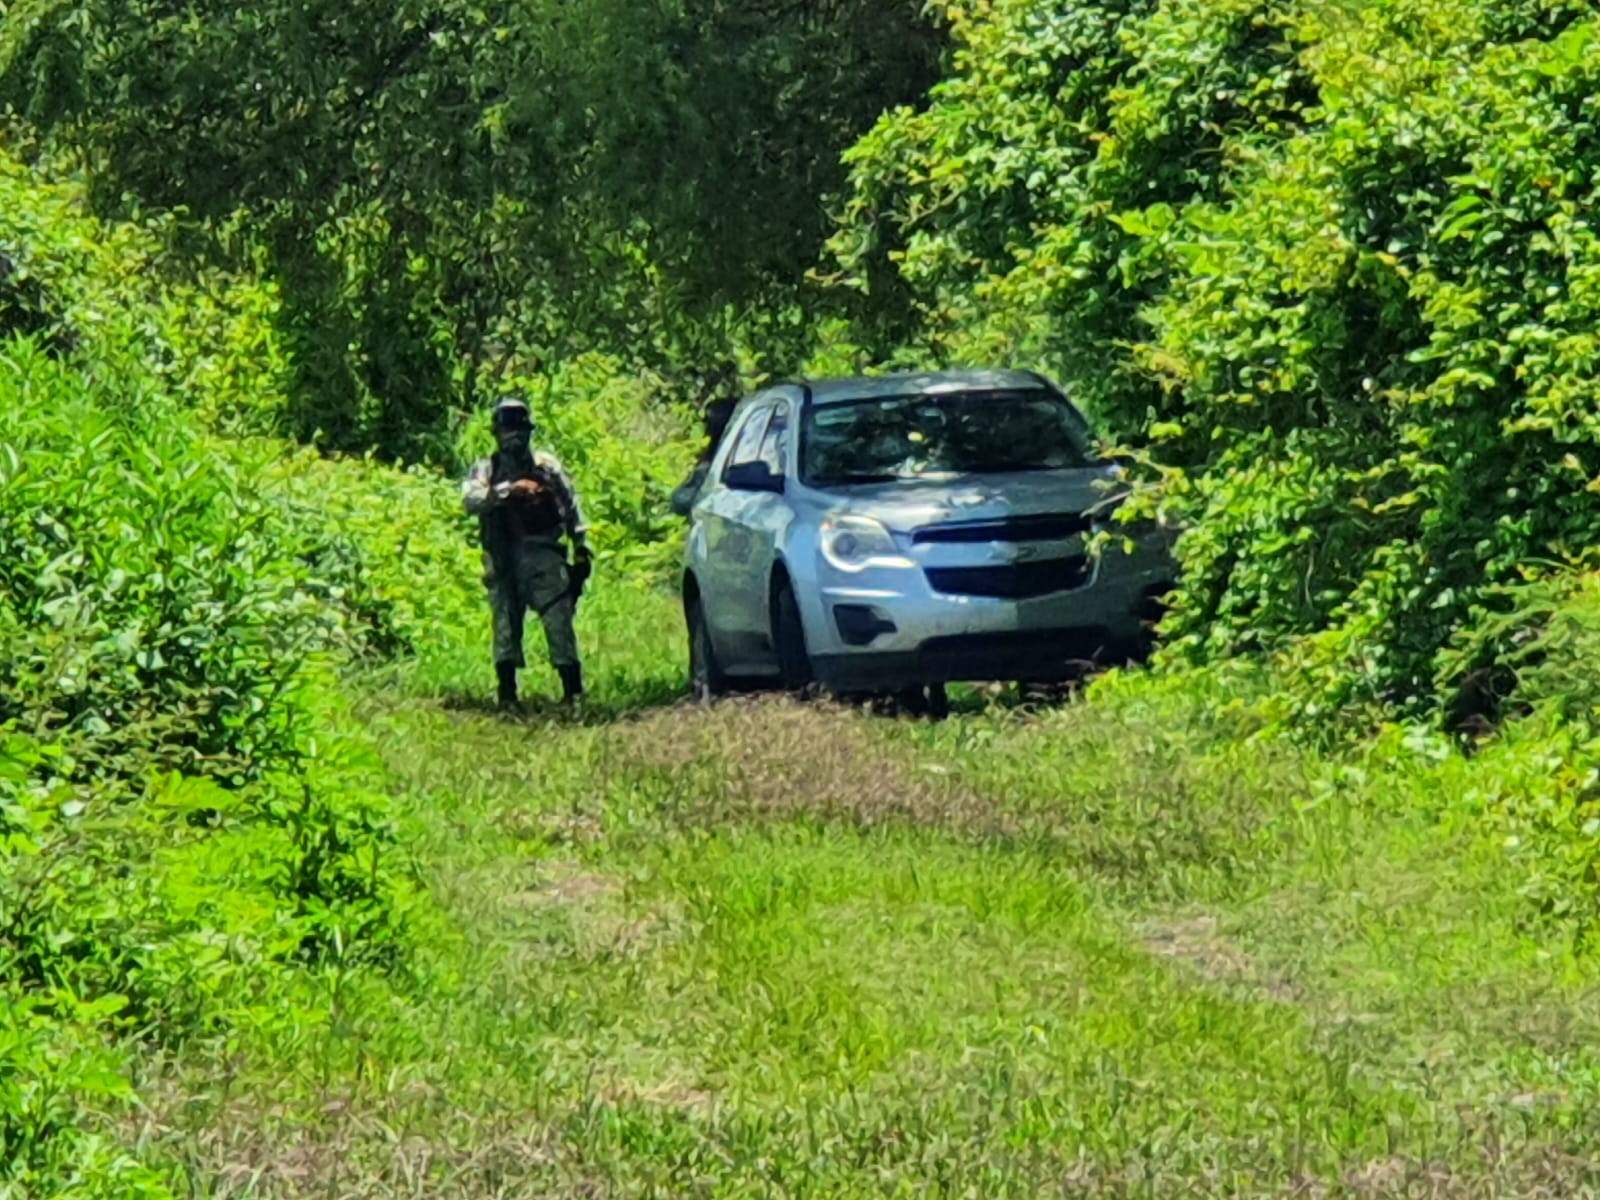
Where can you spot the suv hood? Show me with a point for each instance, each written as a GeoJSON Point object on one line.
{"type": "Point", "coordinates": [908, 504]}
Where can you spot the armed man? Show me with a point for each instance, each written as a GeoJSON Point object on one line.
{"type": "Point", "coordinates": [715, 423]}
{"type": "Point", "coordinates": [525, 504]}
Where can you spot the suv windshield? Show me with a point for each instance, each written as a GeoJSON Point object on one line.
{"type": "Point", "coordinates": [950, 433]}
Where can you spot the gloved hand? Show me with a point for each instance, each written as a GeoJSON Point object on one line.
{"type": "Point", "coordinates": [582, 568]}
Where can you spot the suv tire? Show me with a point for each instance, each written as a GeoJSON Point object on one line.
{"type": "Point", "coordinates": [789, 639]}
{"type": "Point", "coordinates": [706, 680]}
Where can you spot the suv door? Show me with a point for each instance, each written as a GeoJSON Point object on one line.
{"type": "Point", "coordinates": [753, 515]}
{"type": "Point", "coordinates": [716, 517]}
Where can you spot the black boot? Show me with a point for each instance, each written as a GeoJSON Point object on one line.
{"type": "Point", "coordinates": [571, 685]}
{"type": "Point", "coordinates": [508, 688]}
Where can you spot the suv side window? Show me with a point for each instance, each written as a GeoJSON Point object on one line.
{"type": "Point", "coordinates": [747, 444]}
{"type": "Point", "coordinates": [775, 446]}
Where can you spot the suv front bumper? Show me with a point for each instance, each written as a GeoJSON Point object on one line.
{"type": "Point", "coordinates": [889, 629]}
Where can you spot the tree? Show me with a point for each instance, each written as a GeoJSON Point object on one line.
{"type": "Point", "coordinates": [439, 182]}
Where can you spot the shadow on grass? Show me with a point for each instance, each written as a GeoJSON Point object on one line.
{"type": "Point", "coordinates": [1026, 698]}
{"type": "Point", "coordinates": [969, 700]}
{"type": "Point", "coordinates": [600, 707]}
{"type": "Point", "coordinates": [621, 700]}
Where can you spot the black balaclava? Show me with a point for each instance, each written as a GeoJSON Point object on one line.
{"type": "Point", "coordinates": [513, 430]}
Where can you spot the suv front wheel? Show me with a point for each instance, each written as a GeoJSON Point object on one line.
{"type": "Point", "coordinates": [706, 680]}
{"type": "Point", "coordinates": [789, 639]}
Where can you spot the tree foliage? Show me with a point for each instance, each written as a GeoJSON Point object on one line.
{"type": "Point", "coordinates": [440, 183]}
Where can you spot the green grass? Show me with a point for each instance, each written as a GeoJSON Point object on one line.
{"type": "Point", "coordinates": [771, 950]}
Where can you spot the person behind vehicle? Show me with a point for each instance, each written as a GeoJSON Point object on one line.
{"type": "Point", "coordinates": [718, 414]}
{"type": "Point", "coordinates": [525, 504]}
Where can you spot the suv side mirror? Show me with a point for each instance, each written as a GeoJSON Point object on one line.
{"type": "Point", "coordinates": [753, 477]}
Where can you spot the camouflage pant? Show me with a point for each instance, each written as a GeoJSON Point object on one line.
{"type": "Point", "coordinates": [536, 580]}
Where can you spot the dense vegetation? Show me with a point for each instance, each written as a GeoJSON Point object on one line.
{"type": "Point", "coordinates": [1334, 260]}
{"type": "Point", "coordinates": [282, 913]}
{"type": "Point", "coordinates": [180, 802]}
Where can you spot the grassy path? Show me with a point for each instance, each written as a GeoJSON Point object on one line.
{"type": "Point", "coordinates": [767, 950]}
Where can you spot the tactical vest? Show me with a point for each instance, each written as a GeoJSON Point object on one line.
{"type": "Point", "coordinates": [504, 527]}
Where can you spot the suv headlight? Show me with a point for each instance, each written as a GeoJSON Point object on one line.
{"type": "Point", "coordinates": [856, 543]}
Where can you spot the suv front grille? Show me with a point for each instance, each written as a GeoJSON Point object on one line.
{"type": "Point", "coordinates": [1014, 581]}
{"type": "Point", "coordinates": [1047, 528]}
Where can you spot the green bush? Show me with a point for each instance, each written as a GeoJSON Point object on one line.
{"type": "Point", "coordinates": [134, 312]}
{"type": "Point", "coordinates": [387, 548]}
{"type": "Point", "coordinates": [185, 820]}
{"type": "Point", "coordinates": [1540, 788]}
{"type": "Point", "coordinates": [164, 619]}
{"type": "Point", "coordinates": [152, 612]}
{"type": "Point", "coordinates": [54, 1065]}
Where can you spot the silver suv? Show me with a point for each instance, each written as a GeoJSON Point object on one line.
{"type": "Point", "coordinates": [904, 531]}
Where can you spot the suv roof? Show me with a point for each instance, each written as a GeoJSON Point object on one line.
{"type": "Point", "coordinates": [904, 383]}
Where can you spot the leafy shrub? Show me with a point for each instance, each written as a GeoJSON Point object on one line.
{"type": "Point", "coordinates": [1530, 649]}
{"type": "Point", "coordinates": [53, 1065]}
{"type": "Point", "coordinates": [1541, 789]}
{"type": "Point", "coordinates": [163, 620]}
{"type": "Point", "coordinates": [181, 820]}
{"type": "Point", "coordinates": [153, 613]}
{"type": "Point", "coordinates": [133, 310]}
{"type": "Point", "coordinates": [388, 548]}
{"type": "Point", "coordinates": [1532, 792]}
